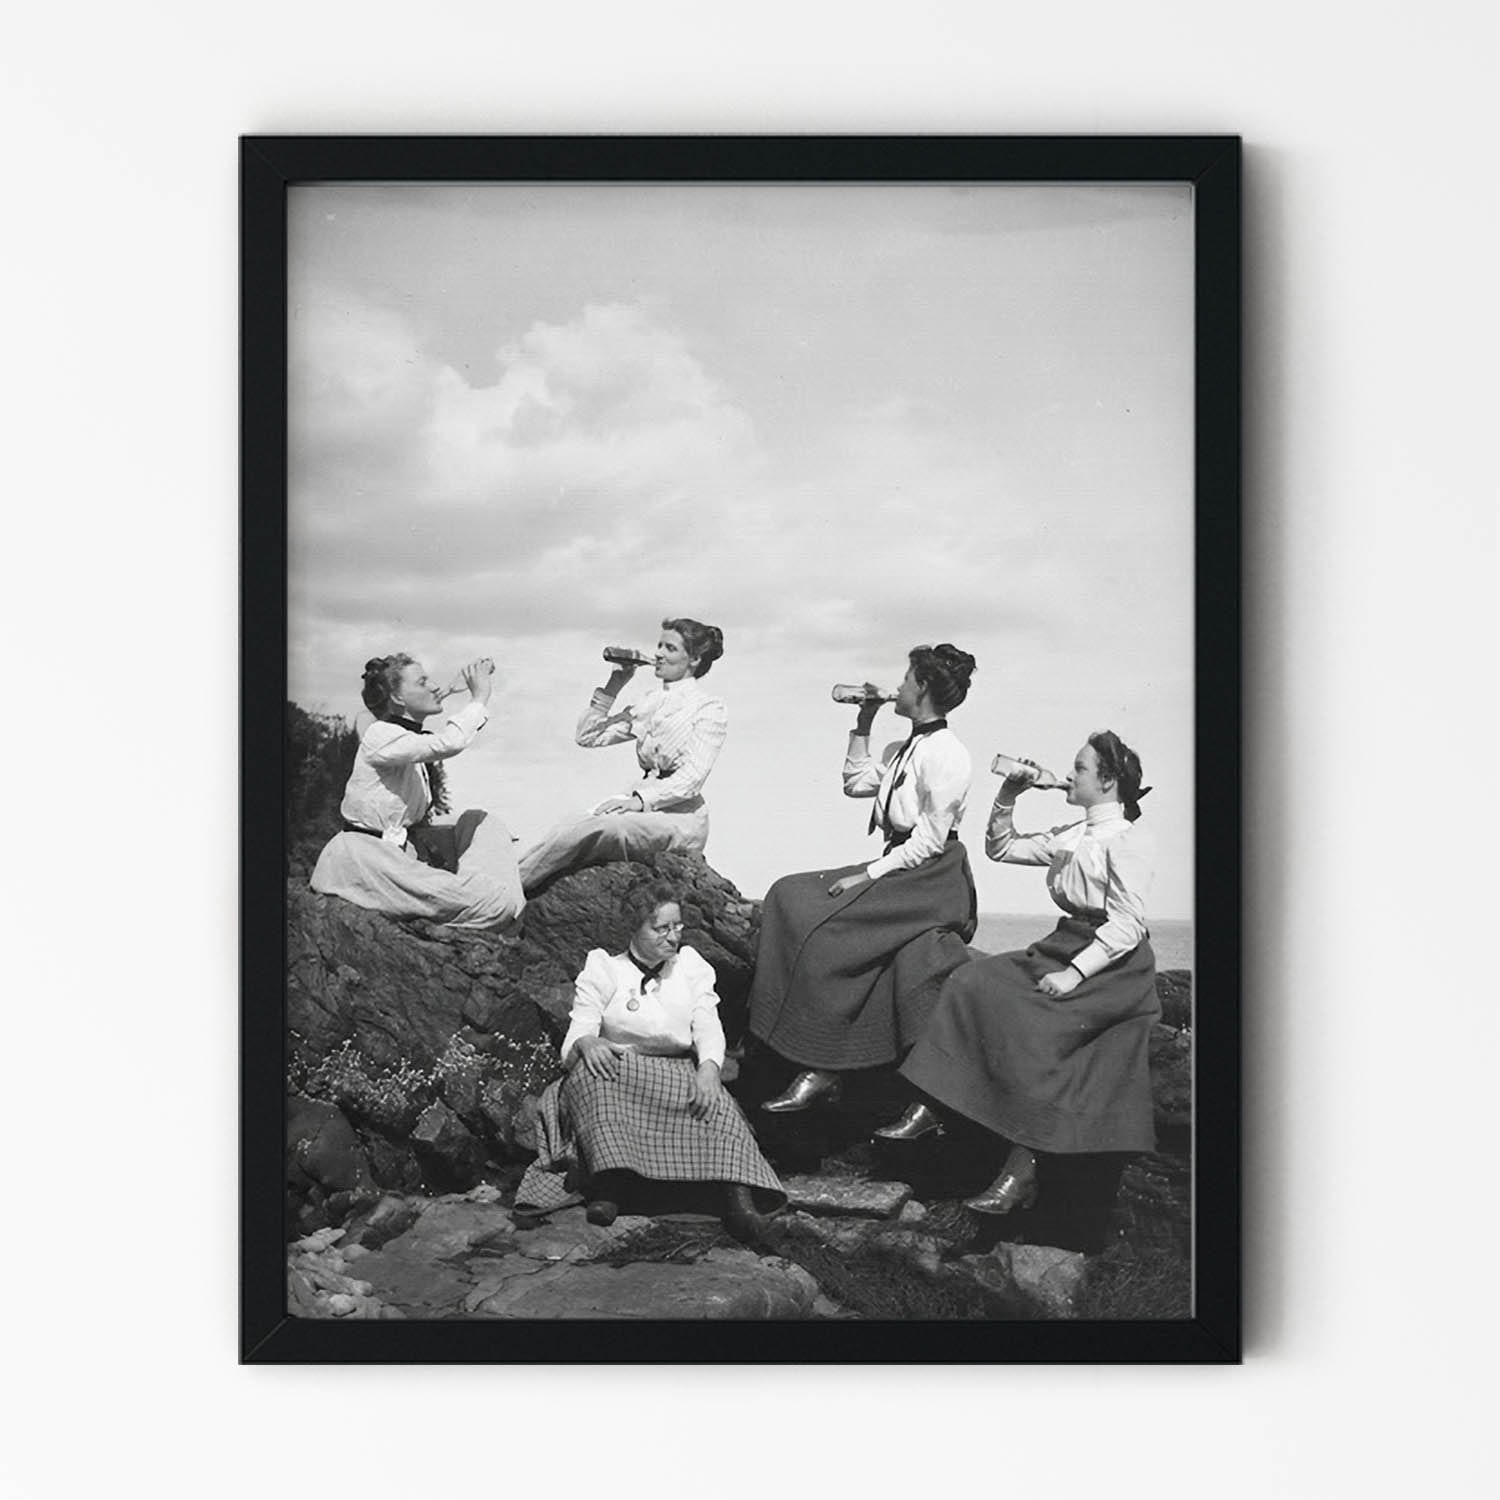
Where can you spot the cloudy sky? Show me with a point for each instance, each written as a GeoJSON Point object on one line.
{"type": "Point", "coordinates": [530, 421]}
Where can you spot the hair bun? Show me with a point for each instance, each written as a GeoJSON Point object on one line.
{"type": "Point", "coordinates": [376, 664]}
{"type": "Point", "coordinates": [960, 663]}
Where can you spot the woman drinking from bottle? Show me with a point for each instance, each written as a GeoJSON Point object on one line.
{"type": "Point", "coordinates": [678, 730]}
{"type": "Point", "coordinates": [851, 960]}
{"type": "Point", "coordinates": [391, 857]}
{"type": "Point", "coordinates": [1047, 1048]}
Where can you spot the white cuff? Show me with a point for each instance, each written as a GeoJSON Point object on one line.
{"type": "Point", "coordinates": [1093, 958]}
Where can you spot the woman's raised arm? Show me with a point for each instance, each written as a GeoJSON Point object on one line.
{"type": "Point", "coordinates": [597, 726]}
{"type": "Point", "coordinates": [387, 744]}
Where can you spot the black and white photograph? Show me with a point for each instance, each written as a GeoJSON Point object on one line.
{"type": "Point", "coordinates": [520, 512]}
{"type": "Point", "coordinates": [741, 751]}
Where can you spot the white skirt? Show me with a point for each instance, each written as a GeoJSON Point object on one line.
{"type": "Point", "coordinates": [485, 893]}
{"type": "Point", "coordinates": [599, 838]}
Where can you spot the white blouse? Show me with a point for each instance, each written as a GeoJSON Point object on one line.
{"type": "Point", "coordinates": [388, 789]}
{"type": "Point", "coordinates": [675, 1014]}
{"type": "Point", "coordinates": [678, 731]}
{"type": "Point", "coordinates": [928, 786]}
{"type": "Point", "coordinates": [1101, 867]}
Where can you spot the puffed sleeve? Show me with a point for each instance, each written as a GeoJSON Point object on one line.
{"type": "Point", "coordinates": [1002, 842]}
{"type": "Point", "coordinates": [592, 991]}
{"type": "Point", "coordinates": [387, 744]}
{"type": "Point", "coordinates": [705, 740]}
{"type": "Point", "coordinates": [708, 1031]}
{"type": "Point", "coordinates": [942, 776]}
{"type": "Point", "coordinates": [598, 726]}
{"type": "Point", "coordinates": [862, 771]}
{"type": "Point", "coordinates": [1129, 867]}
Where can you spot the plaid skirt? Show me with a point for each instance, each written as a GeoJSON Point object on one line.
{"type": "Point", "coordinates": [639, 1122]}
{"type": "Point", "coordinates": [1069, 1074]}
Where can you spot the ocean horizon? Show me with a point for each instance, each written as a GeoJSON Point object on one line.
{"type": "Point", "coordinates": [1004, 932]}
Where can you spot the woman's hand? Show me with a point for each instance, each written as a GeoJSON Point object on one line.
{"type": "Point", "coordinates": [865, 720]}
{"type": "Point", "coordinates": [623, 672]}
{"type": "Point", "coordinates": [632, 803]}
{"type": "Point", "coordinates": [599, 1058]}
{"type": "Point", "coordinates": [477, 677]}
{"type": "Point", "coordinates": [848, 883]}
{"type": "Point", "coordinates": [1063, 982]}
{"type": "Point", "coordinates": [1013, 786]}
{"type": "Point", "coordinates": [706, 1090]}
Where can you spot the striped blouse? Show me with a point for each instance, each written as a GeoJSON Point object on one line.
{"type": "Point", "coordinates": [678, 731]}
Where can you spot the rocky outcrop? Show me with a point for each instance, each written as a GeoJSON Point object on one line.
{"type": "Point", "coordinates": [466, 1256]}
{"type": "Point", "coordinates": [417, 1052]}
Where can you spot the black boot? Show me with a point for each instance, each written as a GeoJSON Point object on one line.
{"type": "Point", "coordinates": [741, 1218]}
{"type": "Point", "coordinates": [604, 1197]}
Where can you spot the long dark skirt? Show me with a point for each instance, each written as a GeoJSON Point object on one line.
{"type": "Point", "coordinates": [639, 1122]}
{"type": "Point", "coordinates": [1059, 1075]}
{"type": "Point", "coordinates": [850, 981]}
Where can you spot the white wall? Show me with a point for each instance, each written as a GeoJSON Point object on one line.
{"type": "Point", "coordinates": [1371, 770]}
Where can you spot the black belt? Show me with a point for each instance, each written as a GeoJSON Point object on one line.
{"type": "Point", "coordinates": [373, 833]}
{"type": "Point", "coordinates": [896, 837]}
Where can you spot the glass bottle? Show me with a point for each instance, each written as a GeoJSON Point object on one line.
{"type": "Point", "coordinates": [1017, 770]}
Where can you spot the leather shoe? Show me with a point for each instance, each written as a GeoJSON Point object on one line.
{"type": "Point", "coordinates": [913, 1125]}
{"type": "Point", "coordinates": [1015, 1187]}
{"type": "Point", "coordinates": [805, 1090]}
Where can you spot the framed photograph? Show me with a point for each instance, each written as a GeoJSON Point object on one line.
{"type": "Point", "coordinates": [741, 749]}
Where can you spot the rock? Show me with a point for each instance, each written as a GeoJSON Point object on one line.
{"type": "Point", "coordinates": [912, 1213]}
{"type": "Point", "coordinates": [489, 1009]}
{"type": "Point", "coordinates": [317, 1287]}
{"type": "Point", "coordinates": [526, 1124]}
{"type": "Point", "coordinates": [445, 1146]}
{"type": "Point", "coordinates": [845, 1196]}
{"type": "Point", "coordinates": [451, 1227]}
{"type": "Point", "coordinates": [568, 1235]}
{"type": "Point", "coordinates": [486, 1192]}
{"type": "Point", "coordinates": [1048, 1277]}
{"type": "Point", "coordinates": [322, 1240]}
{"type": "Point", "coordinates": [725, 1284]}
{"type": "Point", "coordinates": [509, 1114]}
{"type": "Point", "coordinates": [861, 1236]}
{"type": "Point", "coordinates": [1171, 1055]}
{"type": "Point", "coordinates": [555, 1000]}
{"type": "Point", "coordinates": [325, 1162]}
{"type": "Point", "coordinates": [582, 911]}
{"type": "Point", "coordinates": [1174, 988]}
{"type": "Point", "coordinates": [391, 1216]}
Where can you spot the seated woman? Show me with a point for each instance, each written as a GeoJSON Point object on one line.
{"type": "Point", "coordinates": [1047, 1048]}
{"type": "Point", "coordinates": [850, 962]}
{"type": "Point", "coordinates": [390, 857]}
{"type": "Point", "coordinates": [642, 1093]}
{"type": "Point", "coordinates": [678, 730]}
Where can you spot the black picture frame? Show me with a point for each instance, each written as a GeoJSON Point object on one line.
{"type": "Point", "coordinates": [269, 165]}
